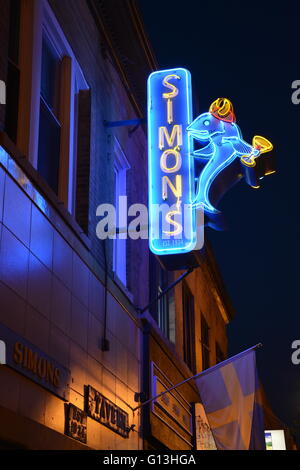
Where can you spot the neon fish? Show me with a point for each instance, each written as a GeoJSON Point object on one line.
{"type": "Point", "coordinates": [225, 144]}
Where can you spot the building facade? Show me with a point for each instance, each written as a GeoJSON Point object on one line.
{"type": "Point", "coordinates": [79, 349]}
{"type": "Point", "coordinates": [184, 333]}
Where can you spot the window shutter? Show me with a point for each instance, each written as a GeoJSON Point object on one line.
{"type": "Point", "coordinates": [65, 120]}
{"type": "Point", "coordinates": [83, 159]}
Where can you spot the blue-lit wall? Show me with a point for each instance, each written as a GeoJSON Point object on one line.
{"type": "Point", "coordinates": [52, 282]}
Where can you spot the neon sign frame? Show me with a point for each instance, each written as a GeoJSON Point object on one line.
{"type": "Point", "coordinates": [224, 157]}
{"type": "Point", "coordinates": [171, 184]}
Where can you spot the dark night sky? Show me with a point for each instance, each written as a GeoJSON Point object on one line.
{"type": "Point", "coordinates": [250, 55]}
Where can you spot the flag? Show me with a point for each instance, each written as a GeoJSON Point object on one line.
{"type": "Point", "coordinates": [230, 394]}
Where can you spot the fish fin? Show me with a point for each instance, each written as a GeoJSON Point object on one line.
{"type": "Point", "coordinates": [239, 145]}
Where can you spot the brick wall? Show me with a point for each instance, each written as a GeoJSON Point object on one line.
{"type": "Point", "coordinates": [206, 304]}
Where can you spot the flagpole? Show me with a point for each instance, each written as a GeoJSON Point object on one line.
{"type": "Point", "coordinates": [220, 364]}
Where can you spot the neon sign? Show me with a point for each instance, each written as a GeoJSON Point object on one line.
{"type": "Point", "coordinates": [224, 157]}
{"type": "Point", "coordinates": [171, 173]}
{"type": "Point", "coordinates": [225, 144]}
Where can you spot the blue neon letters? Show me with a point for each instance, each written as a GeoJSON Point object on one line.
{"type": "Point", "coordinates": [171, 175]}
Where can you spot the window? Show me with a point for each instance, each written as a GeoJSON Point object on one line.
{"type": "Point", "coordinates": [61, 151]}
{"type": "Point", "coordinates": [13, 72]}
{"type": "Point", "coordinates": [220, 356]}
{"type": "Point", "coordinates": [162, 304]}
{"type": "Point", "coordinates": [166, 306]}
{"type": "Point", "coordinates": [121, 166]}
{"type": "Point", "coordinates": [50, 126]}
{"type": "Point", "coordinates": [188, 327]}
{"type": "Point", "coordinates": [205, 343]}
{"type": "Point", "coordinates": [51, 82]}
{"type": "Point", "coordinates": [2, 92]}
{"type": "Point", "coordinates": [162, 311]}
{"type": "Point", "coordinates": [171, 316]}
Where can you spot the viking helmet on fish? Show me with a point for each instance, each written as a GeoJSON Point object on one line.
{"type": "Point", "coordinates": [224, 144]}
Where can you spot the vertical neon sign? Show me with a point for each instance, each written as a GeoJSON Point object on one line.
{"type": "Point", "coordinates": [172, 225]}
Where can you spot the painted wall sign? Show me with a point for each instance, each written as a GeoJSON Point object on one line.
{"type": "Point", "coordinates": [172, 225]}
{"type": "Point", "coordinates": [172, 409]}
{"type": "Point", "coordinates": [75, 423]}
{"type": "Point", "coordinates": [184, 179]}
{"type": "Point", "coordinates": [30, 361]}
{"type": "Point", "coordinates": [106, 412]}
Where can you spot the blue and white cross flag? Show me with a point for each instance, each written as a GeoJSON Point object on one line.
{"type": "Point", "coordinates": [230, 394]}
